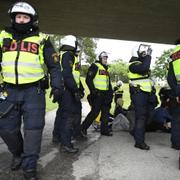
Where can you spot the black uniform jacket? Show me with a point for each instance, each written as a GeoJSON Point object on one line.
{"type": "Point", "coordinates": [68, 59]}
{"type": "Point", "coordinates": [140, 68]}
{"type": "Point", "coordinates": [89, 81]}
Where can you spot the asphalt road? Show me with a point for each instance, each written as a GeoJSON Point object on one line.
{"type": "Point", "coordinates": [101, 158]}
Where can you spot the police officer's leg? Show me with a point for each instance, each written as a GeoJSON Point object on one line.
{"type": "Point", "coordinates": [67, 130]}
{"type": "Point", "coordinates": [140, 101]}
{"type": "Point", "coordinates": [77, 121]}
{"type": "Point", "coordinates": [104, 120]}
{"type": "Point", "coordinates": [34, 119]}
{"type": "Point", "coordinates": [175, 126]}
{"type": "Point", "coordinates": [77, 126]}
{"type": "Point", "coordinates": [10, 132]}
{"type": "Point", "coordinates": [95, 109]}
{"type": "Point", "coordinates": [57, 126]}
{"type": "Point", "coordinates": [67, 118]}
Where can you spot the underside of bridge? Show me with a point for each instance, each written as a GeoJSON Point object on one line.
{"type": "Point", "coordinates": [138, 20]}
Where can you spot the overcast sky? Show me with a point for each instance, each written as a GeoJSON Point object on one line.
{"type": "Point", "coordinates": [119, 49]}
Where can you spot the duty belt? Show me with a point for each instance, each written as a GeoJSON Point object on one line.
{"type": "Point", "coordinates": [37, 83]}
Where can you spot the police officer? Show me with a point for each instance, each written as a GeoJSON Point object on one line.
{"type": "Point", "coordinates": [101, 93]}
{"type": "Point", "coordinates": [25, 51]}
{"type": "Point", "coordinates": [70, 107]}
{"type": "Point", "coordinates": [118, 99]}
{"type": "Point", "coordinates": [140, 90]}
{"type": "Point", "coordinates": [173, 79]}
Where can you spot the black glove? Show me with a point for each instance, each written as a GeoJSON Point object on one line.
{"type": "Point", "coordinates": [78, 96]}
{"type": "Point", "coordinates": [57, 95]}
{"type": "Point", "coordinates": [95, 92]}
{"type": "Point", "coordinates": [149, 51]}
{"type": "Point", "coordinates": [82, 93]}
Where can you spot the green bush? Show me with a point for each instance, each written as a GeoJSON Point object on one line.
{"type": "Point", "coordinates": [84, 70]}
{"type": "Point", "coordinates": [118, 71]}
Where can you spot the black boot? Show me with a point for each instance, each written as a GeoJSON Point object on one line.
{"type": "Point", "coordinates": [174, 146]}
{"type": "Point", "coordinates": [106, 133]}
{"type": "Point", "coordinates": [142, 146]}
{"type": "Point", "coordinates": [69, 149]}
{"type": "Point", "coordinates": [30, 175]}
{"type": "Point", "coordinates": [16, 163]}
{"type": "Point", "coordinates": [83, 133]}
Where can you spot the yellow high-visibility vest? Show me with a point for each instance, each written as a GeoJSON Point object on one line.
{"type": "Point", "coordinates": [176, 62]}
{"type": "Point", "coordinates": [138, 80]}
{"type": "Point", "coordinates": [101, 80]}
{"type": "Point", "coordinates": [22, 61]}
{"type": "Point", "coordinates": [75, 68]}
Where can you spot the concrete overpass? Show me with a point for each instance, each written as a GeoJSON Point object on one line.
{"type": "Point", "coordinates": [141, 20]}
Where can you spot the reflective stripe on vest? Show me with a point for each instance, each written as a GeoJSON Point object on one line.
{"type": "Point", "coordinates": [176, 62]}
{"type": "Point", "coordinates": [142, 81]}
{"type": "Point", "coordinates": [23, 61]}
{"type": "Point", "coordinates": [101, 80]}
{"type": "Point", "coordinates": [176, 67]}
{"type": "Point", "coordinates": [75, 68]}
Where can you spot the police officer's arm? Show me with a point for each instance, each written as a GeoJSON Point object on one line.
{"type": "Point", "coordinates": [67, 65]}
{"type": "Point", "coordinates": [81, 88]}
{"type": "Point", "coordinates": [110, 85]}
{"type": "Point", "coordinates": [90, 76]}
{"type": "Point", "coordinates": [141, 68]}
{"type": "Point", "coordinates": [53, 65]}
{"type": "Point", "coordinates": [172, 80]}
{"type": "Point", "coordinates": [110, 89]}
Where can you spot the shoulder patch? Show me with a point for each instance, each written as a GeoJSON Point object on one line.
{"type": "Point", "coordinates": [55, 57]}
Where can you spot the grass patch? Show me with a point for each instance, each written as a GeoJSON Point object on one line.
{"type": "Point", "coordinates": [49, 104]}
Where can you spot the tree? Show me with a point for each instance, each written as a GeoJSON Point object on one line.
{"type": "Point", "coordinates": [55, 39]}
{"type": "Point", "coordinates": [118, 71]}
{"type": "Point", "coordinates": [88, 48]}
{"type": "Point", "coordinates": [84, 69]}
{"type": "Point", "coordinates": [159, 71]}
